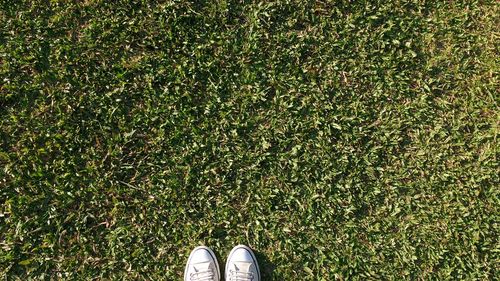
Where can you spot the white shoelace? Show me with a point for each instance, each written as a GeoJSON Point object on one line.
{"type": "Point", "coordinates": [240, 276]}
{"type": "Point", "coordinates": [207, 275]}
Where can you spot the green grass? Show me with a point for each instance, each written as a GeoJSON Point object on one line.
{"type": "Point", "coordinates": [349, 140]}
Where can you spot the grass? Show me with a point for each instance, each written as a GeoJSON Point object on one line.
{"type": "Point", "coordinates": [342, 140]}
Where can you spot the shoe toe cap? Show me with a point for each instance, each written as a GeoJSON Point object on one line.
{"type": "Point", "coordinates": [201, 256]}
{"type": "Point", "coordinates": [242, 255]}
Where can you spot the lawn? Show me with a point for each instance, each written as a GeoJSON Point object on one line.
{"type": "Point", "coordinates": [342, 140]}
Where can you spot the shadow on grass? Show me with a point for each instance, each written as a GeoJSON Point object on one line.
{"type": "Point", "coordinates": [267, 268]}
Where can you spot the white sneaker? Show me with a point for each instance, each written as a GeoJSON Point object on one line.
{"type": "Point", "coordinates": [202, 266]}
{"type": "Point", "coordinates": [242, 265]}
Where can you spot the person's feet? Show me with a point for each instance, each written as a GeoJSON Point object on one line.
{"type": "Point", "coordinates": [242, 265]}
{"type": "Point", "coordinates": [202, 266]}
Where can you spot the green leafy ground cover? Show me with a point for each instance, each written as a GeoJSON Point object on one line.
{"type": "Point", "coordinates": [349, 140]}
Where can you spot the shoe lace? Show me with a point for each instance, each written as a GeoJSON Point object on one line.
{"type": "Point", "coordinates": [206, 275]}
{"type": "Point", "coordinates": [240, 276]}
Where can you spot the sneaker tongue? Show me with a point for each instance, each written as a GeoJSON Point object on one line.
{"type": "Point", "coordinates": [202, 266]}
{"type": "Point", "coordinates": [242, 266]}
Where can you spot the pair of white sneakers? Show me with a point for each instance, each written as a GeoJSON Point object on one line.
{"type": "Point", "coordinates": [241, 265]}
